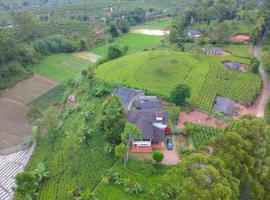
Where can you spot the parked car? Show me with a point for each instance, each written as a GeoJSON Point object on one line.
{"type": "Point", "coordinates": [169, 144]}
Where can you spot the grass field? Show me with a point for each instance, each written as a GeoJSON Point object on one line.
{"type": "Point", "coordinates": [238, 50]}
{"type": "Point", "coordinates": [62, 67]}
{"type": "Point", "coordinates": [135, 42]}
{"type": "Point", "coordinates": [49, 98]}
{"type": "Point", "coordinates": [157, 24]}
{"type": "Point", "coordinates": [159, 71]}
{"type": "Point", "coordinates": [134, 173]}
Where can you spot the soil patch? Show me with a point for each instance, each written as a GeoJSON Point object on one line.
{"type": "Point", "coordinates": [89, 56]}
{"type": "Point", "coordinates": [240, 37]}
{"type": "Point", "coordinates": [29, 89]}
{"type": "Point", "coordinates": [151, 32]}
{"type": "Point", "coordinates": [225, 53]}
{"type": "Point", "coordinates": [14, 126]}
{"type": "Point", "coordinates": [198, 117]}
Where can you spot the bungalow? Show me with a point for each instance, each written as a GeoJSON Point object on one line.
{"type": "Point", "coordinates": [126, 96]}
{"type": "Point", "coordinates": [147, 103]}
{"type": "Point", "coordinates": [232, 65]}
{"type": "Point", "coordinates": [153, 125]}
{"type": "Point", "coordinates": [212, 51]}
{"type": "Point", "coordinates": [224, 105]}
{"type": "Point", "coordinates": [194, 33]}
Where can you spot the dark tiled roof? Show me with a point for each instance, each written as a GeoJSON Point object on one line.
{"type": "Point", "coordinates": [147, 103]}
{"type": "Point", "coordinates": [232, 65]}
{"type": "Point", "coordinates": [145, 120]}
{"type": "Point", "coordinates": [194, 32]}
{"type": "Point", "coordinates": [126, 95]}
{"type": "Point", "coordinates": [224, 105]}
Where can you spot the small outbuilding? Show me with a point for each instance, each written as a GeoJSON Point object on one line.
{"type": "Point", "coordinates": [224, 105]}
{"type": "Point", "coordinates": [194, 33]}
{"type": "Point", "coordinates": [232, 65]}
{"type": "Point", "coordinates": [212, 51]}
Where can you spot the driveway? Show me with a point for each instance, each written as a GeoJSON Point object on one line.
{"type": "Point", "coordinates": [266, 85]}
{"type": "Point", "coordinates": [170, 156]}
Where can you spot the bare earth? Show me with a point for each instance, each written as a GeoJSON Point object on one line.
{"type": "Point", "coordinates": [14, 126]}
{"type": "Point", "coordinates": [151, 32]}
{"type": "Point", "coordinates": [28, 89]}
{"type": "Point", "coordinates": [198, 117]}
{"type": "Point", "coordinates": [89, 56]}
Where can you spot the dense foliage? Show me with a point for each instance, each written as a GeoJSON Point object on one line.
{"type": "Point", "coordinates": [15, 61]}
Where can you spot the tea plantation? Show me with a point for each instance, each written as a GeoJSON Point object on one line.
{"type": "Point", "coordinates": [157, 72]}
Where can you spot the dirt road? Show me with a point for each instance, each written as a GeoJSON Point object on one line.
{"type": "Point", "coordinates": [266, 85]}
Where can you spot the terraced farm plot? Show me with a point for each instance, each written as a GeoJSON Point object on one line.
{"type": "Point", "coordinates": [158, 72]}
{"type": "Point", "coordinates": [135, 42]}
{"type": "Point", "coordinates": [202, 135]}
{"type": "Point", "coordinates": [49, 98]}
{"type": "Point", "coordinates": [28, 89]}
{"type": "Point", "coordinates": [13, 123]}
{"type": "Point", "coordinates": [62, 67]}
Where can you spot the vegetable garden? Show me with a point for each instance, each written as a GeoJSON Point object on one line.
{"type": "Point", "coordinates": [49, 98]}
{"type": "Point", "coordinates": [201, 134]}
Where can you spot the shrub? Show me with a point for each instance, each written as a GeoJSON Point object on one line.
{"type": "Point", "coordinates": [255, 64]}
{"type": "Point", "coordinates": [147, 167]}
{"type": "Point", "coordinates": [158, 156]}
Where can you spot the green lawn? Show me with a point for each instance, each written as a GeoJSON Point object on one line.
{"type": "Point", "coordinates": [133, 171]}
{"type": "Point", "coordinates": [157, 24]}
{"type": "Point", "coordinates": [135, 42]}
{"type": "Point", "coordinates": [238, 50]}
{"type": "Point", "coordinates": [61, 67]}
{"type": "Point", "coordinates": [159, 71]}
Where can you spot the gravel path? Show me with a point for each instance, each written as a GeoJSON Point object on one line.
{"type": "Point", "coordinates": [266, 85]}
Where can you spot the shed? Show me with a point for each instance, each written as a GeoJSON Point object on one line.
{"type": "Point", "coordinates": [232, 65]}
{"type": "Point", "coordinates": [194, 33]}
{"type": "Point", "coordinates": [224, 105]}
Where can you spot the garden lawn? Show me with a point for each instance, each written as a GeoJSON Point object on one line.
{"type": "Point", "coordinates": [61, 67]}
{"type": "Point", "coordinates": [156, 25]}
{"type": "Point", "coordinates": [133, 172]}
{"type": "Point", "coordinates": [241, 50]}
{"type": "Point", "coordinates": [158, 72]}
{"type": "Point", "coordinates": [135, 42]}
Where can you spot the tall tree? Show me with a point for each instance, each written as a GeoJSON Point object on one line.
{"type": "Point", "coordinates": [203, 177]}
{"type": "Point", "coordinates": [27, 24]}
{"type": "Point", "coordinates": [130, 133]}
{"type": "Point", "coordinates": [113, 120]}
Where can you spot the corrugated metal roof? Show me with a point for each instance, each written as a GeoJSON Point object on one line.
{"type": "Point", "coordinates": [224, 105]}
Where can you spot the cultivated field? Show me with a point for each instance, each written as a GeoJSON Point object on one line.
{"type": "Point", "coordinates": [202, 135]}
{"type": "Point", "coordinates": [88, 56]}
{"type": "Point", "coordinates": [49, 98]}
{"type": "Point", "coordinates": [28, 89]}
{"type": "Point", "coordinates": [157, 24]}
{"type": "Point", "coordinates": [159, 71]}
{"type": "Point", "coordinates": [14, 126]}
{"type": "Point", "coordinates": [13, 123]}
{"type": "Point", "coordinates": [62, 67]}
{"type": "Point", "coordinates": [135, 42]}
{"type": "Point", "coordinates": [241, 50]}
